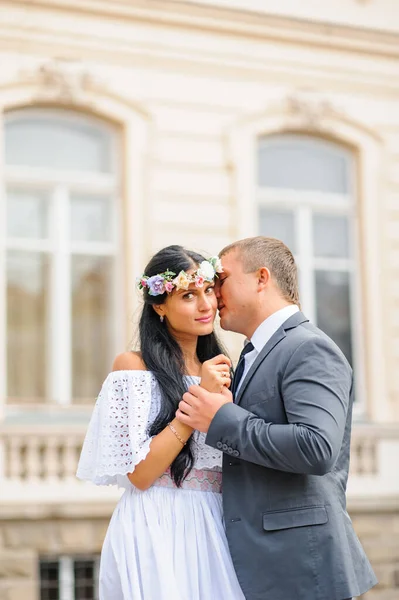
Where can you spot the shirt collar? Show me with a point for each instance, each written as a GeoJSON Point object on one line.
{"type": "Point", "coordinates": [270, 325]}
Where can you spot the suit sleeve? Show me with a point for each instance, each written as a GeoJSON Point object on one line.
{"type": "Point", "coordinates": [316, 390]}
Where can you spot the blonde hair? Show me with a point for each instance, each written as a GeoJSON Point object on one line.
{"type": "Point", "coordinates": [260, 251]}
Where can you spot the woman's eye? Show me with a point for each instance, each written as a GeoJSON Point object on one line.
{"type": "Point", "coordinates": [188, 296]}
{"type": "Point", "coordinates": [210, 290]}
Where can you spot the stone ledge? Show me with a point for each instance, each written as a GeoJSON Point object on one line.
{"type": "Point", "coordinates": [233, 22]}
{"type": "Point", "coordinates": [375, 504]}
{"type": "Point", "coordinates": [80, 510]}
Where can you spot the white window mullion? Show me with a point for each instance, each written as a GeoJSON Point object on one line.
{"type": "Point", "coordinates": [3, 282]}
{"type": "Point", "coordinates": [304, 238]}
{"type": "Point", "coordinates": [358, 335]}
{"type": "Point", "coordinates": [61, 299]}
{"type": "Point", "coordinates": [67, 583]}
{"type": "Point", "coordinates": [96, 577]}
{"type": "Point", "coordinates": [118, 298]}
{"type": "Point", "coordinates": [333, 264]}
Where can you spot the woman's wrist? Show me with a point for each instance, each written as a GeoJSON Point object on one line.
{"type": "Point", "coordinates": [182, 429]}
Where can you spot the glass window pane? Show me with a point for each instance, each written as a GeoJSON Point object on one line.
{"type": "Point", "coordinates": [333, 308]}
{"type": "Point", "coordinates": [84, 580]}
{"type": "Point", "coordinates": [90, 219]}
{"type": "Point", "coordinates": [27, 214]}
{"type": "Point", "coordinates": [331, 236]}
{"type": "Point", "coordinates": [49, 580]}
{"type": "Point", "coordinates": [92, 286]}
{"type": "Point", "coordinates": [57, 140]}
{"type": "Point", "coordinates": [27, 324]}
{"type": "Point", "coordinates": [302, 163]}
{"type": "Point", "coordinates": [278, 224]}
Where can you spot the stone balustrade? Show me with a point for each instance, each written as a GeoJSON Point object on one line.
{"type": "Point", "coordinates": [40, 461]}
{"type": "Point", "coordinates": [38, 464]}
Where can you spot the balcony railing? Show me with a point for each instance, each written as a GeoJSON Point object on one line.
{"type": "Point", "coordinates": [38, 463]}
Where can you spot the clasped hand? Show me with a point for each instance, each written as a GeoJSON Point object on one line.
{"type": "Point", "coordinates": [199, 405]}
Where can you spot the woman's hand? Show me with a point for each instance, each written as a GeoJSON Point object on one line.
{"type": "Point", "coordinates": [215, 373]}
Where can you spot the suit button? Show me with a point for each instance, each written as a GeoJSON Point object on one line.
{"type": "Point", "coordinates": [219, 445]}
{"type": "Point", "coordinates": [229, 450]}
{"type": "Point", "coordinates": [225, 447]}
{"type": "Point", "coordinates": [236, 453]}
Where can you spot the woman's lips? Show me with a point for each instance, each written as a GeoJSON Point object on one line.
{"type": "Point", "coordinates": [207, 319]}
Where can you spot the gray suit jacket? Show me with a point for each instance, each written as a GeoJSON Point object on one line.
{"type": "Point", "coordinates": [286, 446]}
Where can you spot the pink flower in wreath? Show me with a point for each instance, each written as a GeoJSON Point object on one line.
{"type": "Point", "coordinates": [169, 286]}
{"type": "Point", "coordinates": [199, 281]}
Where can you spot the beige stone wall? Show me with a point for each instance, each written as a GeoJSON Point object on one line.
{"type": "Point", "coordinates": [192, 83]}
{"type": "Point", "coordinates": [23, 542]}
{"type": "Point", "coordinates": [190, 87]}
{"type": "Point", "coordinates": [189, 84]}
{"type": "Point", "coordinates": [378, 530]}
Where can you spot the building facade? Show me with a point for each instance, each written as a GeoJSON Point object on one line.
{"type": "Point", "coordinates": [128, 126]}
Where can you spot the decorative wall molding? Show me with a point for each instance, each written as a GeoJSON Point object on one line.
{"type": "Point", "coordinates": [309, 111]}
{"type": "Point", "coordinates": [233, 22]}
{"type": "Point", "coordinates": [60, 82]}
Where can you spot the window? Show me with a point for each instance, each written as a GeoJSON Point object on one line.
{"type": "Point", "coordinates": [61, 248]}
{"type": "Point", "coordinates": [306, 198]}
{"type": "Point", "coordinates": [69, 578]}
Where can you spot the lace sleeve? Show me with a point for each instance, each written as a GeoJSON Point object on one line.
{"type": "Point", "coordinates": [117, 439]}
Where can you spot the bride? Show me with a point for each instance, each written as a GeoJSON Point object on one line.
{"type": "Point", "coordinates": [166, 537]}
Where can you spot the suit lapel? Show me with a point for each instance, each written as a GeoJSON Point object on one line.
{"type": "Point", "coordinates": [279, 335]}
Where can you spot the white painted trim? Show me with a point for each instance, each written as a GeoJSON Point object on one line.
{"type": "Point", "coordinates": [66, 578]}
{"type": "Point", "coordinates": [304, 242]}
{"type": "Point", "coordinates": [93, 248]}
{"type": "Point", "coordinates": [61, 300]}
{"type": "Point", "coordinates": [28, 245]}
{"type": "Point", "coordinates": [138, 211]}
{"type": "Point", "coordinates": [320, 200]}
{"type": "Point", "coordinates": [96, 183]}
{"type": "Point", "coordinates": [3, 282]}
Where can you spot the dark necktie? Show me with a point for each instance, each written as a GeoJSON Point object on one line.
{"type": "Point", "coordinates": [240, 367]}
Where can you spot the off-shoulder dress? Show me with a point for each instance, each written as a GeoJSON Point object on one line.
{"type": "Point", "coordinates": [165, 542]}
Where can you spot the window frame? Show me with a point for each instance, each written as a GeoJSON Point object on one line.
{"type": "Point", "coordinates": [303, 205]}
{"type": "Point", "coordinates": [66, 578]}
{"type": "Point", "coordinates": [60, 185]}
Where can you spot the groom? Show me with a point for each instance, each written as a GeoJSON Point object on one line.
{"type": "Point", "coordinates": [285, 439]}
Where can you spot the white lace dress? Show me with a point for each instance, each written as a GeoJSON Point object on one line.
{"type": "Point", "coordinates": [164, 543]}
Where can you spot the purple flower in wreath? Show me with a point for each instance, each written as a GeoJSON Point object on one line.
{"type": "Point", "coordinates": [156, 285]}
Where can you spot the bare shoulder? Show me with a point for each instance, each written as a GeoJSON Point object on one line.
{"type": "Point", "coordinates": [129, 361]}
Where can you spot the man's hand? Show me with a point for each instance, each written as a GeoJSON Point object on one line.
{"type": "Point", "coordinates": [199, 406]}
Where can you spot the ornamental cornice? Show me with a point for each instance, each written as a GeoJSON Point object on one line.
{"type": "Point", "coordinates": [232, 22]}
{"type": "Point", "coordinates": [62, 83]}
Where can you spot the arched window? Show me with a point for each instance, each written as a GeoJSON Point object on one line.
{"type": "Point", "coordinates": [306, 197]}
{"type": "Point", "coordinates": [62, 187]}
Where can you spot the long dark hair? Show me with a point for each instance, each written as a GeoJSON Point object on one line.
{"type": "Point", "coordinates": [162, 354]}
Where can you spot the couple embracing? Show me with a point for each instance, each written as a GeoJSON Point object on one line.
{"type": "Point", "coordinates": [173, 425]}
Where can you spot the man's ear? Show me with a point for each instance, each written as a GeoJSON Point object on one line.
{"type": "Point", "coordinates": [264, 277]}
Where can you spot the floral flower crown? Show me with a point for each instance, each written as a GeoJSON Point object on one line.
{"type": "Point", "coordinates": [167, 281]}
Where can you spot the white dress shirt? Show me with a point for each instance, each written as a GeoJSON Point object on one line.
{"type": "Point", "coordinates": [263, 334]}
